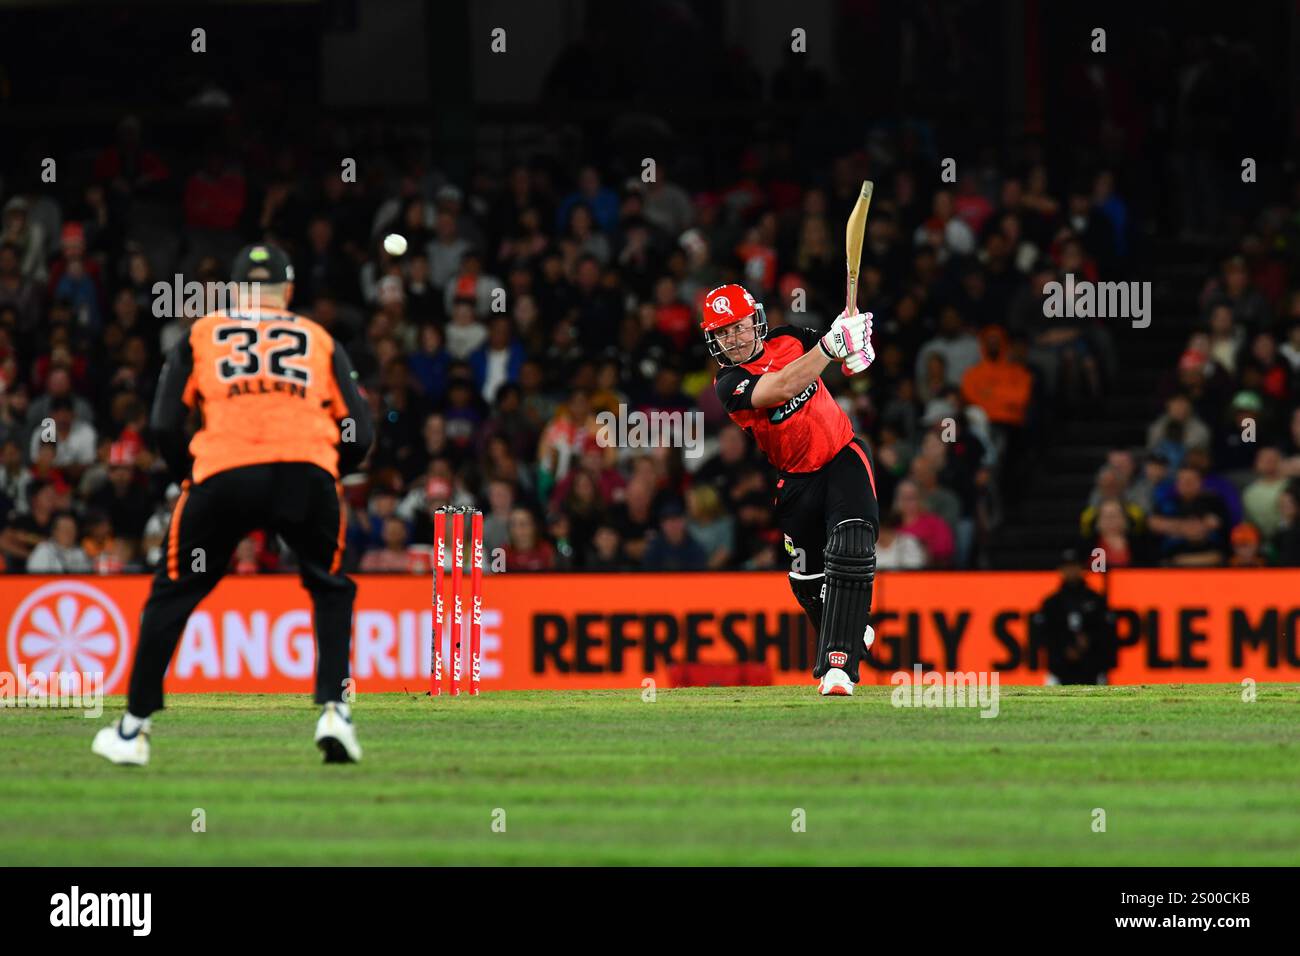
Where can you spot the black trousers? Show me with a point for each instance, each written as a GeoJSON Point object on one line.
{"type": "Point", "coordinates": [296, 500]}
{"type": "Point", "coordinates": [809, 506]}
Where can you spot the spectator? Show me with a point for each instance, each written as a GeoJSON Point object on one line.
{"type": "Point", "coordinates": [155, 529]}
{"type": "Point", "coordinates": [17, 292]}
{"type": "Point", "coordinates": [634, 519]}
{"type": "Point", "coordinates": [758, 539]}
{"type": "Point", "coordinates": [27, 237]}
{"type": "Point", "coordinates": [1192, 525]}
{"type": "Point", "coordinates": [896, 550]}
{"type": "Point", "coordinates": [60, 553]}
{"type": "Point", "coordinates": [1261, 497]}
{"type": "Point", "coordinates": [246, 556]}
{"type": "Point", "coordinates": [1237, 443]}
{"type": "Point", "coordinates": [496, 522]}
{"type": "Point", "coordinates": [1285, 542]}
{"type": "Point", "coordinates": [393, 556]}
{"type": "Point", "coordinates": [600, 201]}
{"type": "Point", "coordinates": [673, 548]}
{"type": "Point", "coordinates": [1177, 430]}
{"type": "Point", "coordinates": [125, 499]}
{"type": "Point", "coordinates": [997, 384]}
{"type": "Point", "coordinates": [214, 196]}
{"type": "Point", "coordinates": [935, 497]}
{"type": "Point", "coordinates": [1155, 473]}
{"type": "Point", "coordinates": [429, 363]}
{"type": "Point", "coordinates": [1233, 289]}
{"type": "Point", "coordinates": [73, 440]}
{"type": "Point", "coordinates": [944, 232]}
{"type": "Point", "coordinates": [465, 334]}
{"type": "Point", "coordinates": [582, 508]}
{"type": "Point", "coordinates": [25, 531]}
{"type": "Point", "coordinates": [57, 387]}
{"type": "Point", "coordinates": [15, 478]}
{"type": "Point", "coordinates": [1109, 487]}
{"type": "Point", "coordinates": [1246, 547]}
{"type": "Point", "coordinates": [606, 553]}
{"type": "Point", "coordinates": [75, 280]}
{"type": "Point", "coordinates": [470, 284]}
{"type": "Point", "coordinates": [128, 168]}
{"type": "Point", "coordinates": [666, 205]}
{"type": "Point", "coordinates": [959, 350]}
{"type": "Point", "coordinates": [1117, 537]}
{"type": "Point", "coordinates": [582, 235]}
{"type": "Point", "coordinates": [710, 526]}
{"type": "Point", "coordinates": [527, 550]}
{"type": "Point", "coordinates": [499, 360]}
{"type": "Point", "coordinates": [933, 532]}
{"type": "Point", "coordinates": [445, 251]}
{"type": "Point", "coordinates": [98, 541]}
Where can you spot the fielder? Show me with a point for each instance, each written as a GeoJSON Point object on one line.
{"type": "Point", "coordinates": [826, 502]}
{"type": "Point", "coordinates": [281, 419]}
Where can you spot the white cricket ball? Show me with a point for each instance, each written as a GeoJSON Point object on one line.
{"type": "Point", "coordinates": [394, 244]}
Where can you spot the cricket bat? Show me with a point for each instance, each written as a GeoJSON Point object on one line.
{"type": "Point", "coordinates": [854, 233]}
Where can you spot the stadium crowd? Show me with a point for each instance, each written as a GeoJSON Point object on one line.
{"type": "Point", "coordinates": [1218, 481]}
{"type": "Point", "coordinates": [533, 297]}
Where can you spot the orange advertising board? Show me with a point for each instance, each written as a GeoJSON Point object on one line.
{"type": "Point", "coordinates": [569, 631]}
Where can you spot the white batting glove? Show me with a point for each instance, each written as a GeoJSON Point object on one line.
{"type": "Point", "coordinates": [863, 357]}
{"type": "Point", "coordinates": [848, 334]}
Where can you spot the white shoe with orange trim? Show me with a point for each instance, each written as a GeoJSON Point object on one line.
{"type": "Point", "coordinates": [835, 683]}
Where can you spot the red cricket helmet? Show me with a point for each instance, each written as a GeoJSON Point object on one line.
{"type": "Point", "coordinates": [723, 306]}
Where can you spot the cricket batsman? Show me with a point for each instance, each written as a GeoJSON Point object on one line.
{"type": "Point", "coordinates": [826, 502]}
{"type": "Point", "coordinates": [282, 418]}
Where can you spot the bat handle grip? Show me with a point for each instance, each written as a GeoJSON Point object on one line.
{"type": "Point", "coordinates": [850, 307]}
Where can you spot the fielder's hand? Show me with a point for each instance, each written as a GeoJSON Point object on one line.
{"type": "Point", "coordinates": [859, 361]}
{"type": "Point", "coordinates": [847, 335]}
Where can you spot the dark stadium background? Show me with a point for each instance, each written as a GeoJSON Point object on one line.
{"type": "Point", "coordinates": [1127, 164]}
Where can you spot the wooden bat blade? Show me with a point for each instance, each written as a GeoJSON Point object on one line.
{"type": "Point", "coordinates": [854, 233]}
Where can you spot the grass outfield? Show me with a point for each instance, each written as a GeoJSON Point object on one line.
{"type": "Point", "coordinates": [1186, 775]}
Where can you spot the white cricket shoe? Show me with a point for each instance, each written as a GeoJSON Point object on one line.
{"type": "Point", "coordinates": [112, 745]}
{"type": "Point", "coordinates": [835, 683]}
{"type": "Point", "coordinates": [868, 637]}
{"type": "Point", "coordinates": [335, 735]}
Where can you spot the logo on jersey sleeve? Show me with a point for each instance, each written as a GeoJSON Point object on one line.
{"type": "Point", "coordinates": [782, 412]}
{"type": "Point", "coordinates": [740, 389]}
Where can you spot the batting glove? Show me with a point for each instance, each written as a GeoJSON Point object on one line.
{"type": "Point", "coordinates": [863, 357]}
{"type": "Point", "coordinates": [848, 334]}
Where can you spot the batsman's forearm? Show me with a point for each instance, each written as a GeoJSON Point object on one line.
{"type": "Point", "coordinates": [802, 372]}
{"type": "Point", "coordinates": [778, 388]}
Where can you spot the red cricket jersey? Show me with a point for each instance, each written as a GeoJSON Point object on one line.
{"type": "Point", "coordinates": [803, 434]}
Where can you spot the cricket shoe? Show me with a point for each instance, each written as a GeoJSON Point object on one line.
{"type": "Point", "coordinates": [335, 735]}
{"type": "Point", "coordinates": [113, 745]}
{"type": "Point", "coordinates": [835, 683]}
